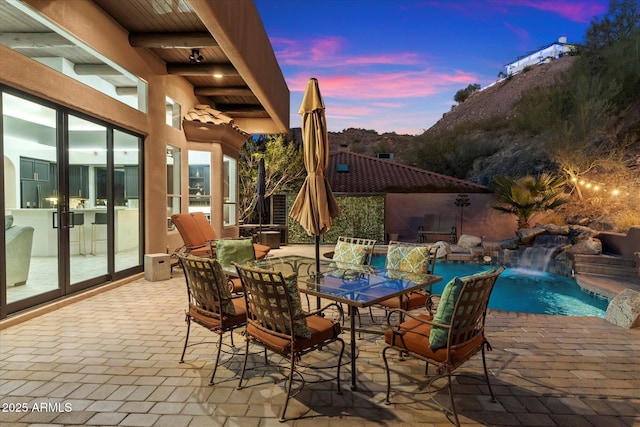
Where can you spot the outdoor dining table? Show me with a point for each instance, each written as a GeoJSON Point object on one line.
{"type": "Point", "coordinates": [357, 286]}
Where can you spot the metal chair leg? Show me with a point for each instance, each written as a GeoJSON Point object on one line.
{"type": "Point", "coordinates": [215, 368]}
{"type": "Point", "coordinates": [386, 370]}
{"type": "Point", "coordinates": [339, 391]}
{"type": "Point", "coordinates": [289, 387]}
{"type": "Point", "coordinates": [244, 366]}
{"type": "Point", "coordinates": [486, 372]}
{"type": "Point", "coordinates": [186, 340]}
{"type": "Point", "coordinates": [453, 404]}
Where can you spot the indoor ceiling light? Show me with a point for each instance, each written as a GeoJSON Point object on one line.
{"type": "Point", "coordinates": [195, 56]}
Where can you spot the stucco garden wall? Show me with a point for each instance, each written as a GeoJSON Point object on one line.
{"type": "Point", "coordinates": [404, 213]}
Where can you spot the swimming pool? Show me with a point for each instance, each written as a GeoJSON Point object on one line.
{"type": "Point", "coordinates": [525, 291]}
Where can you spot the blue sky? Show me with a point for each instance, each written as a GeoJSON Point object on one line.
{"type": "Point", "coordinates": [395, 65]}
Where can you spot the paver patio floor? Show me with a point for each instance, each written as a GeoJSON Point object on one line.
{"type": "Point", "coordinates": [112, 359]}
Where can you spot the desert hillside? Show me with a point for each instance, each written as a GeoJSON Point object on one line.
{"type": "Point", "coordinates": [512, 153]}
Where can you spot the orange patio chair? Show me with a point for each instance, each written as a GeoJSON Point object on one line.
{"type": "Point", "coordinates": [410, 258]}
{"type": "Point", "coordinates": [210, 302]}
{"type": "Point", "coordinates": [451, 337]}
{"type": "Point", "coordinates": [275, 321]}
{"type": "Point", "coordinates": [199, 237]}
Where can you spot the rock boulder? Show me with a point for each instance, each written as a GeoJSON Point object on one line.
{"type": "Point", "coordinates": [586, 247]}
{"type": "Point", "coordinates": [624, 309]}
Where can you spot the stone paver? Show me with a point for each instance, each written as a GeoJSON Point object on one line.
{"type": "Point", "coordinates": [112, 359]}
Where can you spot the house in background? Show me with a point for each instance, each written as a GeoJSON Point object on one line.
{"type": "Point", "coordinates": [400, 196]}
{"type": "Point", "coordinates": [116, 114]}
{"type": "Point", "coordinates": [547, 53]}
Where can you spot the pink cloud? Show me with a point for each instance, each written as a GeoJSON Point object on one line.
{"type": "Point", "coordinates": [388, 104]}
{"type": "Point", "coordinates": [327, 52]}
{"type": "Point", "coordinates": [577, 11]}
{"type": "Point", "coordinates": [380, 85]}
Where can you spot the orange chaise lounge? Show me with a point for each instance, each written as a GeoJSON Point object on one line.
{"type": "Point", "coordinates": [199, 237]}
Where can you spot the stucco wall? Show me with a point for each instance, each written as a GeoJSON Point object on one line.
{"type": "Point", "coordinates": [89, 23]}
{"type": "Point", "coordinates": [404, 213]}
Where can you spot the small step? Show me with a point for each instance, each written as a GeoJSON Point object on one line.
{"type": "Point", "coordinates": [605, 269]}
{"type": "Point", "coordinates": [605, 260]}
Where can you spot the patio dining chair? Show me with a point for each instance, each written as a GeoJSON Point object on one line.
{"type": "Point", "coordinates": [352, 250]}
{"type": "Point", "coordinates": [210, 302]}
{"type": "Point", "coordinates": [451, 337]}
{"type": "Point", "coordinates": [275, 321]}
{"type": "Point", "coordinates": [410, 258]}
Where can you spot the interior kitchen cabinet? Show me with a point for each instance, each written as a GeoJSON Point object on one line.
{"type": "Point", "coordinates": [131, 182]}
{"type": "Point", "coordinates": [79, 181]}
{"type": "Point", "coordinates": [199, 180]}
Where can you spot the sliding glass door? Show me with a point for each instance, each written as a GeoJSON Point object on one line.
{"type": "Point", "coordinates": [71, 202]}
{"type": "Point", "coordinates": [29, 147]}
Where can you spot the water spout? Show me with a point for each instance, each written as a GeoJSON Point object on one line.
{"type": "Point", "coordinates": [538, 257]}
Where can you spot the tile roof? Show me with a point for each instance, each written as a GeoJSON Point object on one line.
{"type": "Point", "coordinates": [370, 175]}
{"type": "Point", "coordinates": [206, 114]}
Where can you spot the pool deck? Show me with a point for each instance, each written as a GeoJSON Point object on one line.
{"type": "Point", "coordinates": [606, 286]}
{"type": "Point", "coordinates": [112, 358]}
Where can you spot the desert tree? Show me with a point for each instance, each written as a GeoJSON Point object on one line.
{"type": "Point", "coordinates": [284, 167]}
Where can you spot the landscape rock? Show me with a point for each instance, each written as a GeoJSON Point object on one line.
{"type": "Point", "coordinates": [624, 309]}
{"type": "Point", "coordinates": [562, 230]}
{"type": "Point", "coordinates": [467, 241]}
{"type": "Point", "coordinates": [586, 247]}
{"type": "Point", "coordinates": [528, 235]}
{"type": "Point", "coordinates": [491, 246]}
{"type": "Point", "coordinates": [578, 233]}
{"type": "Point", "coordinates": [511, 243]}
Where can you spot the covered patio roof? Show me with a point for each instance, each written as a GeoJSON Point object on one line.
{"type": "Point", "coordinates": [205, 42]}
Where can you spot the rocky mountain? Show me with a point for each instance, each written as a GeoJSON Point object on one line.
{"type": "Point", "coordinates": [495, 101]}
{"type": "Point", "coordinates": [369, 142]}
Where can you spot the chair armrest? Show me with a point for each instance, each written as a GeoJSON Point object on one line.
{"type": "Point", "coordinates": [326, 307]}
{"type": "Point", "coordinates": [405, 313]}
{"type": "Point", "coordinates": [431, 304]}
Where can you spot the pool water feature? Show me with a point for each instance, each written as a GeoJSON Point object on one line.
{"type": "Point", "coordinates": [544, 249]}
{"type": "Point", "coordinates": [525, 291]}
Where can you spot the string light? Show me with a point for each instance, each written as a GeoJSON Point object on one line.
{"type": "Point", "coordinates": [595, 186]}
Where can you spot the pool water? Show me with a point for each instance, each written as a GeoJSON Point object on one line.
{"type": "Point", "coordinates": [525, 291]}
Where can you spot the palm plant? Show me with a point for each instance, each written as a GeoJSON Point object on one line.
{"type": "Point", "coordinates": [529, 195]}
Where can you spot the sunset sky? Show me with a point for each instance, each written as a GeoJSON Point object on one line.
{"type": "Point", "coordinates": [395, 65]}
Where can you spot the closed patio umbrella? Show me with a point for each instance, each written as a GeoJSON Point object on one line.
{"type": "Point", "coordinates": [315, 206]}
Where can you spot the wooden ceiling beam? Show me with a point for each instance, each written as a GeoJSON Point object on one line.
{"type": "Point", "coordinates": [201, 69]}
{"type": "Point", "coordinates": [102, 70]}
{"type": "Point", "coordinates": [172, 40]}
{"type": "Point", "coordinates": [126, 90]}
{"type": "Point", "coordinates": [223, 91]}
{"type": "Point", "coordinates": [239, 109]}
{"type": "Point", "coordinates": [34, 40]}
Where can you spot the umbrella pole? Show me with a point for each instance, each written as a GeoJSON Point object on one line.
{"type": "Point", "coordinates": [317, 267]}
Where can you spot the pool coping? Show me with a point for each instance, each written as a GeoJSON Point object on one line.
{"type": "Point", "coordinates": [606, 286]}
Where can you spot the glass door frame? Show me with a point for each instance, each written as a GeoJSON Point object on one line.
{"type": "Point", "coordinates": [62, 216]}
